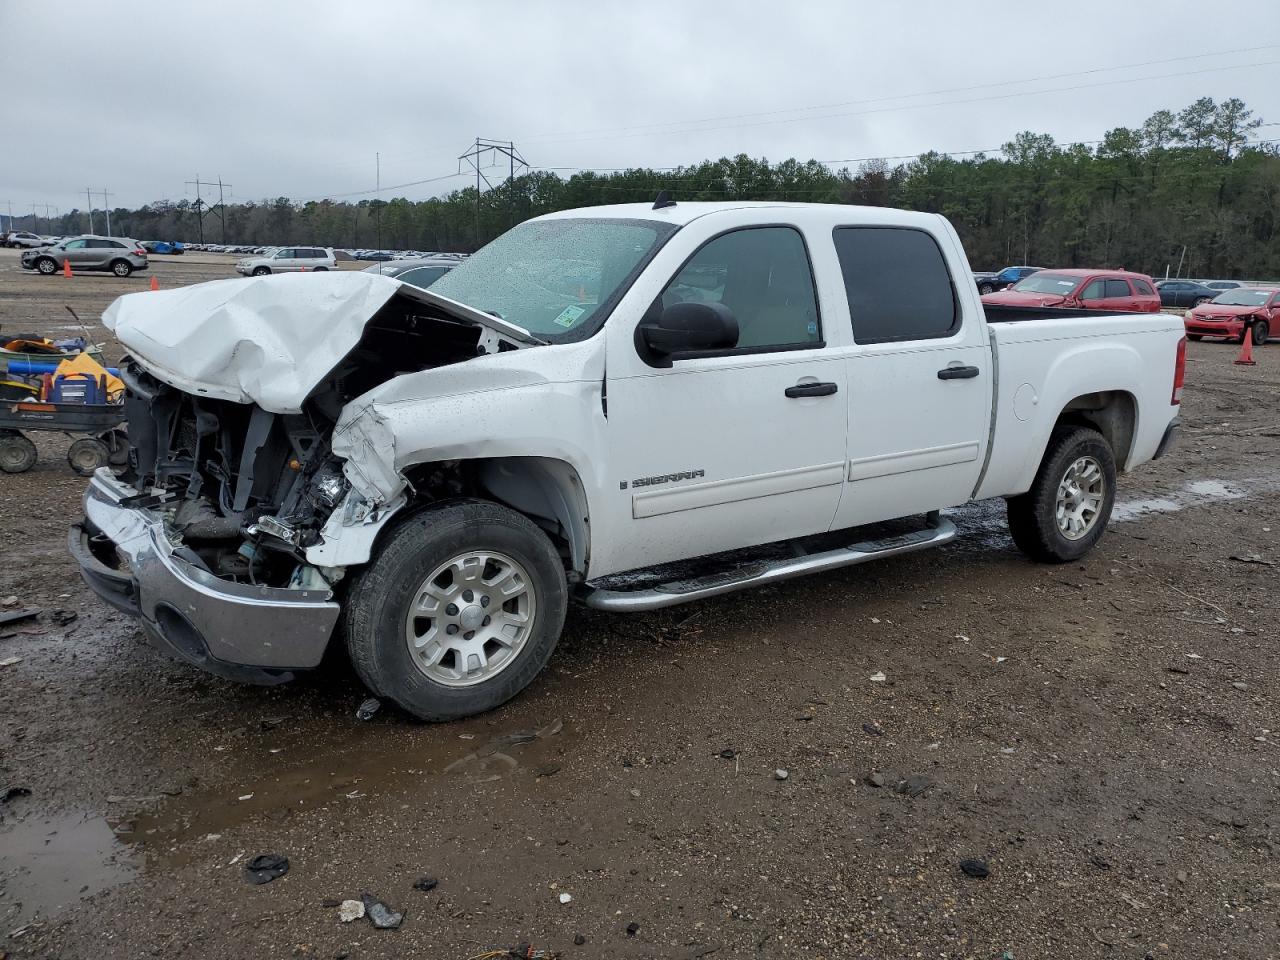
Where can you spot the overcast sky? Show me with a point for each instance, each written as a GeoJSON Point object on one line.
{"type": "Point", "coordinates": [294, 98]}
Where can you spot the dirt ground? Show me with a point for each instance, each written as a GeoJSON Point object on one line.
{"type": "Point", "coordinates": [1103, 735]}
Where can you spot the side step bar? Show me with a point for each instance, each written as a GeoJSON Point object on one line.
{"type": "Point", "coordinates": [765, 572]}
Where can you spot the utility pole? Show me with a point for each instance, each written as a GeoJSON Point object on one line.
{"type": "Point", "coordinates": [106, 203]}
{"type": "Point", "coordinates": [89, 197]}
{"type": "Point", "coordinates": [35, 219]}
{"type": "Point", "coordinates": [200, 211]}
{"type": "Point", "coordinates": [222, 210]}
{"type": "Point", "coordinates": [492, 149]}
{"type": "Point", "coordinates": [377, 196]}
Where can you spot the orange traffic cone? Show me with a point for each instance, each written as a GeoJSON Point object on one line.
{"type": "Point", "coordinates": [66, 268]}
{"type": "Point", "coordinates": [155, 283]}
{"type": "Point", "coordinates": [1246, 348]}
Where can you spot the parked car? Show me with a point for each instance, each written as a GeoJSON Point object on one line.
{"type": "Point", "coordinates": [288, 260]}
{"type": "Point", "coordinates": [422, 271]}
{"type": "Point", "coordinates": [1114, 290]}
{"type": "Point", "coordinates": [1184, 293]}
{"type": "Point", "coordinates": [1227, 315]}
{"type": "Point", "coordinates": [22, 238]}
{"type": "Point", "coordinates": [464, 459]}
{"type": "Point", "coordinates": [1222, 284]}
{"type": "Point", "coordinates": [119, 255]}
{"type": "Point", "coordinates": [991, 282]}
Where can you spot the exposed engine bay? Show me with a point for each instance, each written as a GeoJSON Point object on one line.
{"type": "Point", "coordinates": [245, 490]}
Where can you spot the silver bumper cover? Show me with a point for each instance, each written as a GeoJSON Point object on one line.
{"type": "Point", "coordinates": [238, 630]}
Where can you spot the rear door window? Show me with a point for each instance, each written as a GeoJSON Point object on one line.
{"type": "Point", "coordinates": [897, 283]}
{"type": "Point", "coordinates": [1118, 288]}
{"type": "Point", "coordinates": [1144, 288]}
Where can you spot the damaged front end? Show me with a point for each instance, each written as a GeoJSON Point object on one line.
{"type": "Point", "coordinates": [232, 526]}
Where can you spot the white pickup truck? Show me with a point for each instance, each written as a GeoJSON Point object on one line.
{"type": "Point", "coordinates": [591, 402]}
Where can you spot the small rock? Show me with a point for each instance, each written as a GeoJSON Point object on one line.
{"type": "Point", "coordinates": [1240, 685]}
{"type": "Point", "coordinates": [350, 910]}
{"type": "Point", "coordinates": [977, 869]}
{"type": "Point", "coordinates": [426, 884]}
{"type": "Point", "coordinates": [1177, 669]}
{"type": "Point", "coordinates": [780, 774]}
{"type": "Point", "coordinates": [635, 794]}
{"type": "Point", "coordinates": [728, 753]}
{"type": "Point", "coordinates": [1100, 862]}
{"type": "Point", "coordinates": [1181, 876]}
{"type": "Point", "coordinates": [367, 709]}
{"type": "Point", "coordinates": [632, 928]}
{"type": "Point", "coordinates": [875, 778]}
{"type": "Point", "coordinates": [915, 785]}
{"type": "Point", "coordinates": [878, 677]}
{"type": "Point", "coordinates": [874, 729]}
{"type": "Point", "coordinates": [383, 917]}
{"type": "Point", "coordinates": [566, 898]}
{"type": "Point", "coordinates": [579, 939]}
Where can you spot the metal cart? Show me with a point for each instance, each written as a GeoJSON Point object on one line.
{"type": "Point", "coordinates": [101, 438]}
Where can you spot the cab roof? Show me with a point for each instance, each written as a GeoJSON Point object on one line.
{"type": "Point", "coordinates": [682, 212]}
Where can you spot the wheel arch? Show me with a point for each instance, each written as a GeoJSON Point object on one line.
{"type": "Point", "coordinates": [1113, 413]}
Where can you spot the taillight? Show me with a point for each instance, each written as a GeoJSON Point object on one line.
{"type": "Point", "coordinates": [139, 252]}
{"type": "Point", "coordinates": [1179, 372]}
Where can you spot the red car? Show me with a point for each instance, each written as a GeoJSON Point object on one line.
{"type": "Point", "coordinates": [1116, 290]}
{"type": "Point", "coordinates": [1225, 314]}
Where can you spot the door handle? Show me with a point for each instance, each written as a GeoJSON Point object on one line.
{"type": "Point", "coordinates": [811, 390]}
{"type": "Point", "coordinates": [958, 373]}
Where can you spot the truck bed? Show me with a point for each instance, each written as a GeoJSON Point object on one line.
{"type": "Point", "coordinates": [1000, 313]}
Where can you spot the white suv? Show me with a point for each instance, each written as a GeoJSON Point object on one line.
{"type": "Point", "coordinates": [288, 260]}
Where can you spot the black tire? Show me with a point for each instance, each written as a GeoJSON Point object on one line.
{"type": "Point", "coordinates": [87, 455]}
{"type": "Point", "coordinates": [121, 268]}
{"type": "Point", "coordinates": [1260, 332]}
{"type": "Point", "coordinates": [985, 288]}
{"type": "Point", "coordinates": [1033, 515]}
{"type": "Point", "coordinates": [17, 453]}
{"type": "Point", "coordinates": [320, 270]}
{"type": "Point", "coordinates": [261, 271]}
{"type": "Point", "coordinates": [374, 616]}
{"type": "Point", "coordinates": [1195, 336]}
{"type": "Point", "coordinates": [1200, 300]}
{"type": "Point", "coordinates": [47, 265]}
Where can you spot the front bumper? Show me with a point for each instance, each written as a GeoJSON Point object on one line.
{"type": "Point", "coordinates": [1215, 328]}
{"type": "Point", "coordinates": [244, 632]}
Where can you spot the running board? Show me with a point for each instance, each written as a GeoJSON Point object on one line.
{"type": "Point", "coordinates": [765, 572]}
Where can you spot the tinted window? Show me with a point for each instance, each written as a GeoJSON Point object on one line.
{"type": "Point", "coordinates": [423, 276]}
{"type": "Point", "coordinates": [1143, 287]}
{"type": "Point", "coordinates": [897, 284]}
{"type": "Point", "coordinates": [1096, 290]}
{"type": "Point", "coordinates": [285, 254]}
{"type": "Point", "coordinates": [763, 276]}
{"type": "Point", "coordinates": [1118, 288]}
{"type": "Point", "coordinates": [75, 244]}
{"type": "Point", "coordinates": [314, 254]}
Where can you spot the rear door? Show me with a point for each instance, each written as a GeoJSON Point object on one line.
{"type": "Point", "coordinates": [919, 375]}
{"type": "Point", "coordinates": [1109, 293]}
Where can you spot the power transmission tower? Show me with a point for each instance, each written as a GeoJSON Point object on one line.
{"type": "Point", "coordinates": [200, 205]}
{"type": "Point", "coordinates": [492, 149]}
{"type": "Point", "coordinates": [106, 206]}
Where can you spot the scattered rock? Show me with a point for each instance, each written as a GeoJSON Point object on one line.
{"type": "Point", "coordinates": [780, 774]}
{"type": "Point", "coordinates": [10, 601]}
{"type": "Point", "coordinates": [566, 898]}
{"type": "Point", "coordinates": [63, 617]}
{"type": "Point", "coordinates": [1177, 669]}
{"type": "Point", "coordinates": [728, 753]}
{"type": "Point", "coordinates": [265, 868]}
{"type": "Point", "coordinates": [632, 928]}
{"type": "Point", "coordinates": [1100, 862]}
{"type": "Point", "coordinates": [367, 709]}
{"type": "Point", "coordinates": [1181, 876]}
{"type": "Point", "coordinates": [875, 778]}
{"type": "Point", "coordinates": [1240, 685]}
{"type": "Point", "coordinates": [579, 939]}
{"type": "Point", "coordinates": [10, 661]}
{"type": "Point", "coordinates": [878, 677]}
{"type": "Point", "coordinates": [635, 794]}
{"type": "Point", "coordinates": [382, 916]}
{"type": "Point", "coordinates": [874, 729]}
{"type": "Point", "coordinates": [546, 770]}
{"type": "Point", "coordinates": [977, 869]}
{"type": "Point", "coordinates": [915, 785]}
{"type": "Point", "coordinates": [426, 884]}
{"type": "Point", "coordinates": [350, 910]}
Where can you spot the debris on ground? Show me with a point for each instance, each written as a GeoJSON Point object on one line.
{"type": "Point", "coordinates": [875, 778]}
{"type": "Point", "coordinates": [63, 617]}
{"type": "Point", "coordinates": [915, 785]}
{"type": "Point", "coordinates": [382, 916]}
{"type": "Point", "coordinates": [975, 868]}
{"type": "Point", "coordinates": [10, 661]}
{"type": "Point", "coordinates": [1100, 862]}
{"type": "Point", "coordinates": [14, 616]}
{"type": "Point", "coordinates": [579, 939]}
{"type": "Point", "coordinates": [367, 709]}
{"type": "Point", "coordinates": [632, 928]}
{"type": "Point", "coordinates": [878, 677]}
{"type": "Point", "coordinates": [521, 951]}
{"type": "Point", "coordinates": [566, 898]}
{"type": "Point", "coordinates": [426, 884]}
{"type": "Point", "coordinates": [1240, 685]}
{"type": "Point", "coordinates": [874, 729]}
{"type": "Point", "coordinates": [9, 601]}
{"type": "Point", "coordinates": [780, 774]}
{"type": "Point", "coordinates": [350, 910]}
{"type": "Point", "coordinates": [265, 868]}
{"type": "Point", "coordinates": [546, 770]}
{"type": "Point", "coordinates": [550, 730]}
{"type": "Point", "coordinates": [1253, 558]}
{"type": "Point", "coordinates": [12, 793]}
{"type": "Point", "coordinates": [728, 753]}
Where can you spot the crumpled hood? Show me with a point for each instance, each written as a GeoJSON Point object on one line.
{"type": "Point", "coordinates": [1224, 310]}
{"type": "Point", "coordinates": [264, 340]}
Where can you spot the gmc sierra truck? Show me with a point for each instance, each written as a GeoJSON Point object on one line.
{"type": "Point", "coordinates": [634, 406]}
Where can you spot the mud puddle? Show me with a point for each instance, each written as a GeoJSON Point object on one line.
{"type": "Point", "coordinates": [48, 863]}
{"type": "Point", "coordinates": [174, 831]}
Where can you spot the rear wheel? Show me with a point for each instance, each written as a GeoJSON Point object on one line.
{"type": "Point", "coordinates": [17, 453]}
{"type": "Point", "coordinates": [87, 455]}
{"type": "Point", "coordinates": [459, 611]}
{"type": "Point", "coordinates": [47, 266]}
{"type": "Point", "coordinates": [1069, 504]}
{"type": "Point", "coordinates": [121, 268]}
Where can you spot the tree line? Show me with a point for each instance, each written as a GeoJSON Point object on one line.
{"type": "Point", "coordinates": [1192, 191]}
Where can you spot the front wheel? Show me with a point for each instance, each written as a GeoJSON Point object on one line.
{"type": "Point", "coordinates": [47, 266]}
{"type": "Point", "coordinates": [1067, 508]}
{"type": "Point", "coordinates": [261, 271]}
{"type": "Point", "coordinates": [458, 612]}
{"type": "Point", "coordinates": [985, 288]}
{"type": "Point", "coordinates": [1260, 332]}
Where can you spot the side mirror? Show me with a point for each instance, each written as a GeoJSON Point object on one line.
{"type": "Point", "coordinates": [689, 327]}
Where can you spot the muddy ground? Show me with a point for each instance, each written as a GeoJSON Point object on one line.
{"type": "Point", "coordinates": [1103, 735]}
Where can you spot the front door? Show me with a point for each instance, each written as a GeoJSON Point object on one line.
{"type": "Point", "coordinates": [919, 375]}
{"type": "Point", "coordinates": [739, 447]}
